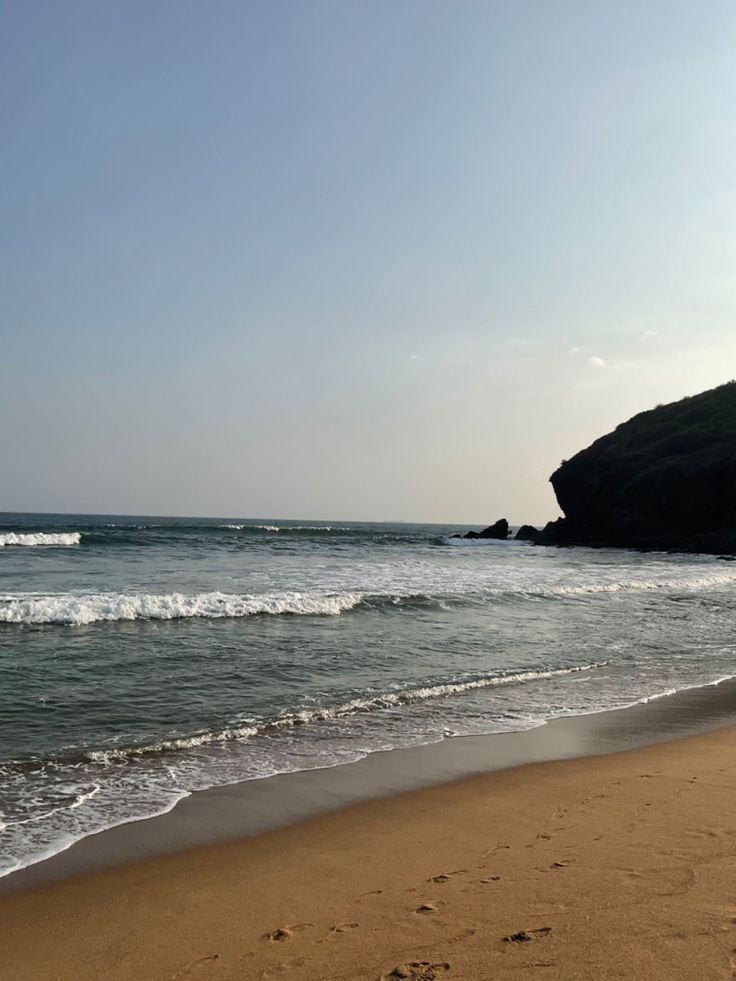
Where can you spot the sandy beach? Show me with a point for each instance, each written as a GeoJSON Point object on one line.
{"type": "Point", "coordinates": [368, 494]}
{"type": "Point", "coordinates": [616, 866]}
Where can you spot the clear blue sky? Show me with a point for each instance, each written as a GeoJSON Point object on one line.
{"type": "Point", "coordinates": [387, 259]}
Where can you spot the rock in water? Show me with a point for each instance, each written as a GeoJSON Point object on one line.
{"type": "Point", "coordinates": [664, 479]}
{"type": "Point", "coordinates": [528, 533]}
{"type": "Point", "coordinates": [499, 530]}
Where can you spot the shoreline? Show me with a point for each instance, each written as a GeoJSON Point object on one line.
{"type": "Point", "coordinates": [615, 866]}
{"type": "Point", "coordinates": [251, 808]}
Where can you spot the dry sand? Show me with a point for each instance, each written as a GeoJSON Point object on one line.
{"type": "Point", "coordinates": [621, 866]}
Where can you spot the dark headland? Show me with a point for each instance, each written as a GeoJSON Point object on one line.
{"type": "Point", "coordinates": [666, 479]}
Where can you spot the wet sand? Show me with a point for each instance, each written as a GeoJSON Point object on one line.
{"type": "Point", "coordinates": [617, 866]}
{"type": "Point", "coordinates": [252, 807]}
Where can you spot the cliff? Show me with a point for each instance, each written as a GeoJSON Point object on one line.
{"type": "Point", "coordinates": [664, 479]}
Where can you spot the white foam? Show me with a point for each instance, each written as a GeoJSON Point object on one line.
{"type": "Point", "coordinates": [275, 528]}
{"type": "Point", "coordinates": [39, 539]}
{"type": "Point", "coordinates": [412, 695]}
{"type": "Point", "coordinates": [384, 700]}
{"type": "Point", "coordinates": [646, 585]}
{"type": "Point", "coordinates": [183, 742]}
{"type": "Point", "coordinates": [482, 541]}
{"type": "Point", "coordinates": [76, 610]}
{"type": "Point", "coordinates": [80, 799]}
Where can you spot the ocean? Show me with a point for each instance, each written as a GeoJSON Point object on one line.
{"type": "Point", "coordinates": [145, 658]}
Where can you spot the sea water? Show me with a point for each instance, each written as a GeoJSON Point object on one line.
{"type": "Point", "coordinates": [144, 658]}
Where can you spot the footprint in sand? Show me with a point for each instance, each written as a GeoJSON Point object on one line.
{"type": "Point", "coordinates": [284, 967]}
{"type": "Point", "coordinates": [284, 933]}
{"type": "Point", "coordinates": [525, 936]}
{"type": "Point", "coordinates": [446, 876]}
{"type": "Point", "coordinates": [365, 895]}
{"type": "Point", "coordinates": [344, 927]}
{"type": "Point", "coordinates": [416, 971]}
{"type": "Point", "coordinates": [186, 971]}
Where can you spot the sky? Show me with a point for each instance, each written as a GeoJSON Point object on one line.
{"type": "Point", "coordinates": [386, 260]}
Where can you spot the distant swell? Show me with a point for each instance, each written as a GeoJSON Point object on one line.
{"type": "Point", "coordinates": [296, 528]}
{"type": "Point", "coordinates": [39, 539]}
{"type": "Point", "coordinates": [288, 528]}
{"type": "Point", "coordinates": [472, 542]}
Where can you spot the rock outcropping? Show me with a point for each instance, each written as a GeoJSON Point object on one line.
{"type": "Point", "coordinates": [665, 479]}
{"type": "Point", "coordinates": [528, 533]}
{"type": "Point", "coordinates": [498, 530]}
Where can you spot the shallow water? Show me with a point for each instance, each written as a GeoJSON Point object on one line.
{"type": "Point", "coordinates": [143, 658]}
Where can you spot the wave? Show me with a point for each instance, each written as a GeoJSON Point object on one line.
{"type": "Point", "coordinates": [114, 534]}
{"type": "Point", "coordinates": [247, 730]}
{"type": "Point", "coordinates": [162, 535]}
{"type": "Point", "coordinates": [139, 527]}
{"type": "Point", "coordinates": [290, 528]}
{"type": "Point", "coordinates": [74, 610]}
{"type": "Point", "coordinates": [642, 585]}
{"type": "Point", "coordinates": [452, 540]}
{"type": "Point", "coordinates": [77, 610]}
{"type": "Point", "coordinates": [40, 539]}
{"type": "Point", "coordinates": [285, 528]}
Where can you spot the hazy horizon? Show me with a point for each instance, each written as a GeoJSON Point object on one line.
{"type": "Point", "coordinates": [265, 517]}
{"type": "Point", "coordinates": [354, 261]}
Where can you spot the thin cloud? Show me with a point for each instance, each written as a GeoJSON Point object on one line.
{"type": "Point", "coordinates": [595, 362]}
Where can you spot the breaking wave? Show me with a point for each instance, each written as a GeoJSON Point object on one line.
{"type": "Point", "coordinates": [472, 542]}
{"type": "Point", "coordinates": [39, 539]}
{"type": "Point", "coordinates": [357, 706]}
{"type": "Point", "coordinates": [289, 528]}
{"type": "Point", "coordinates": [77, 610]}
{"type": "Point", "coordinates": [645, 585]}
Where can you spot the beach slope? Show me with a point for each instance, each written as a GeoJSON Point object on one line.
{"type": "Point", "coordinates": [620, 866]}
